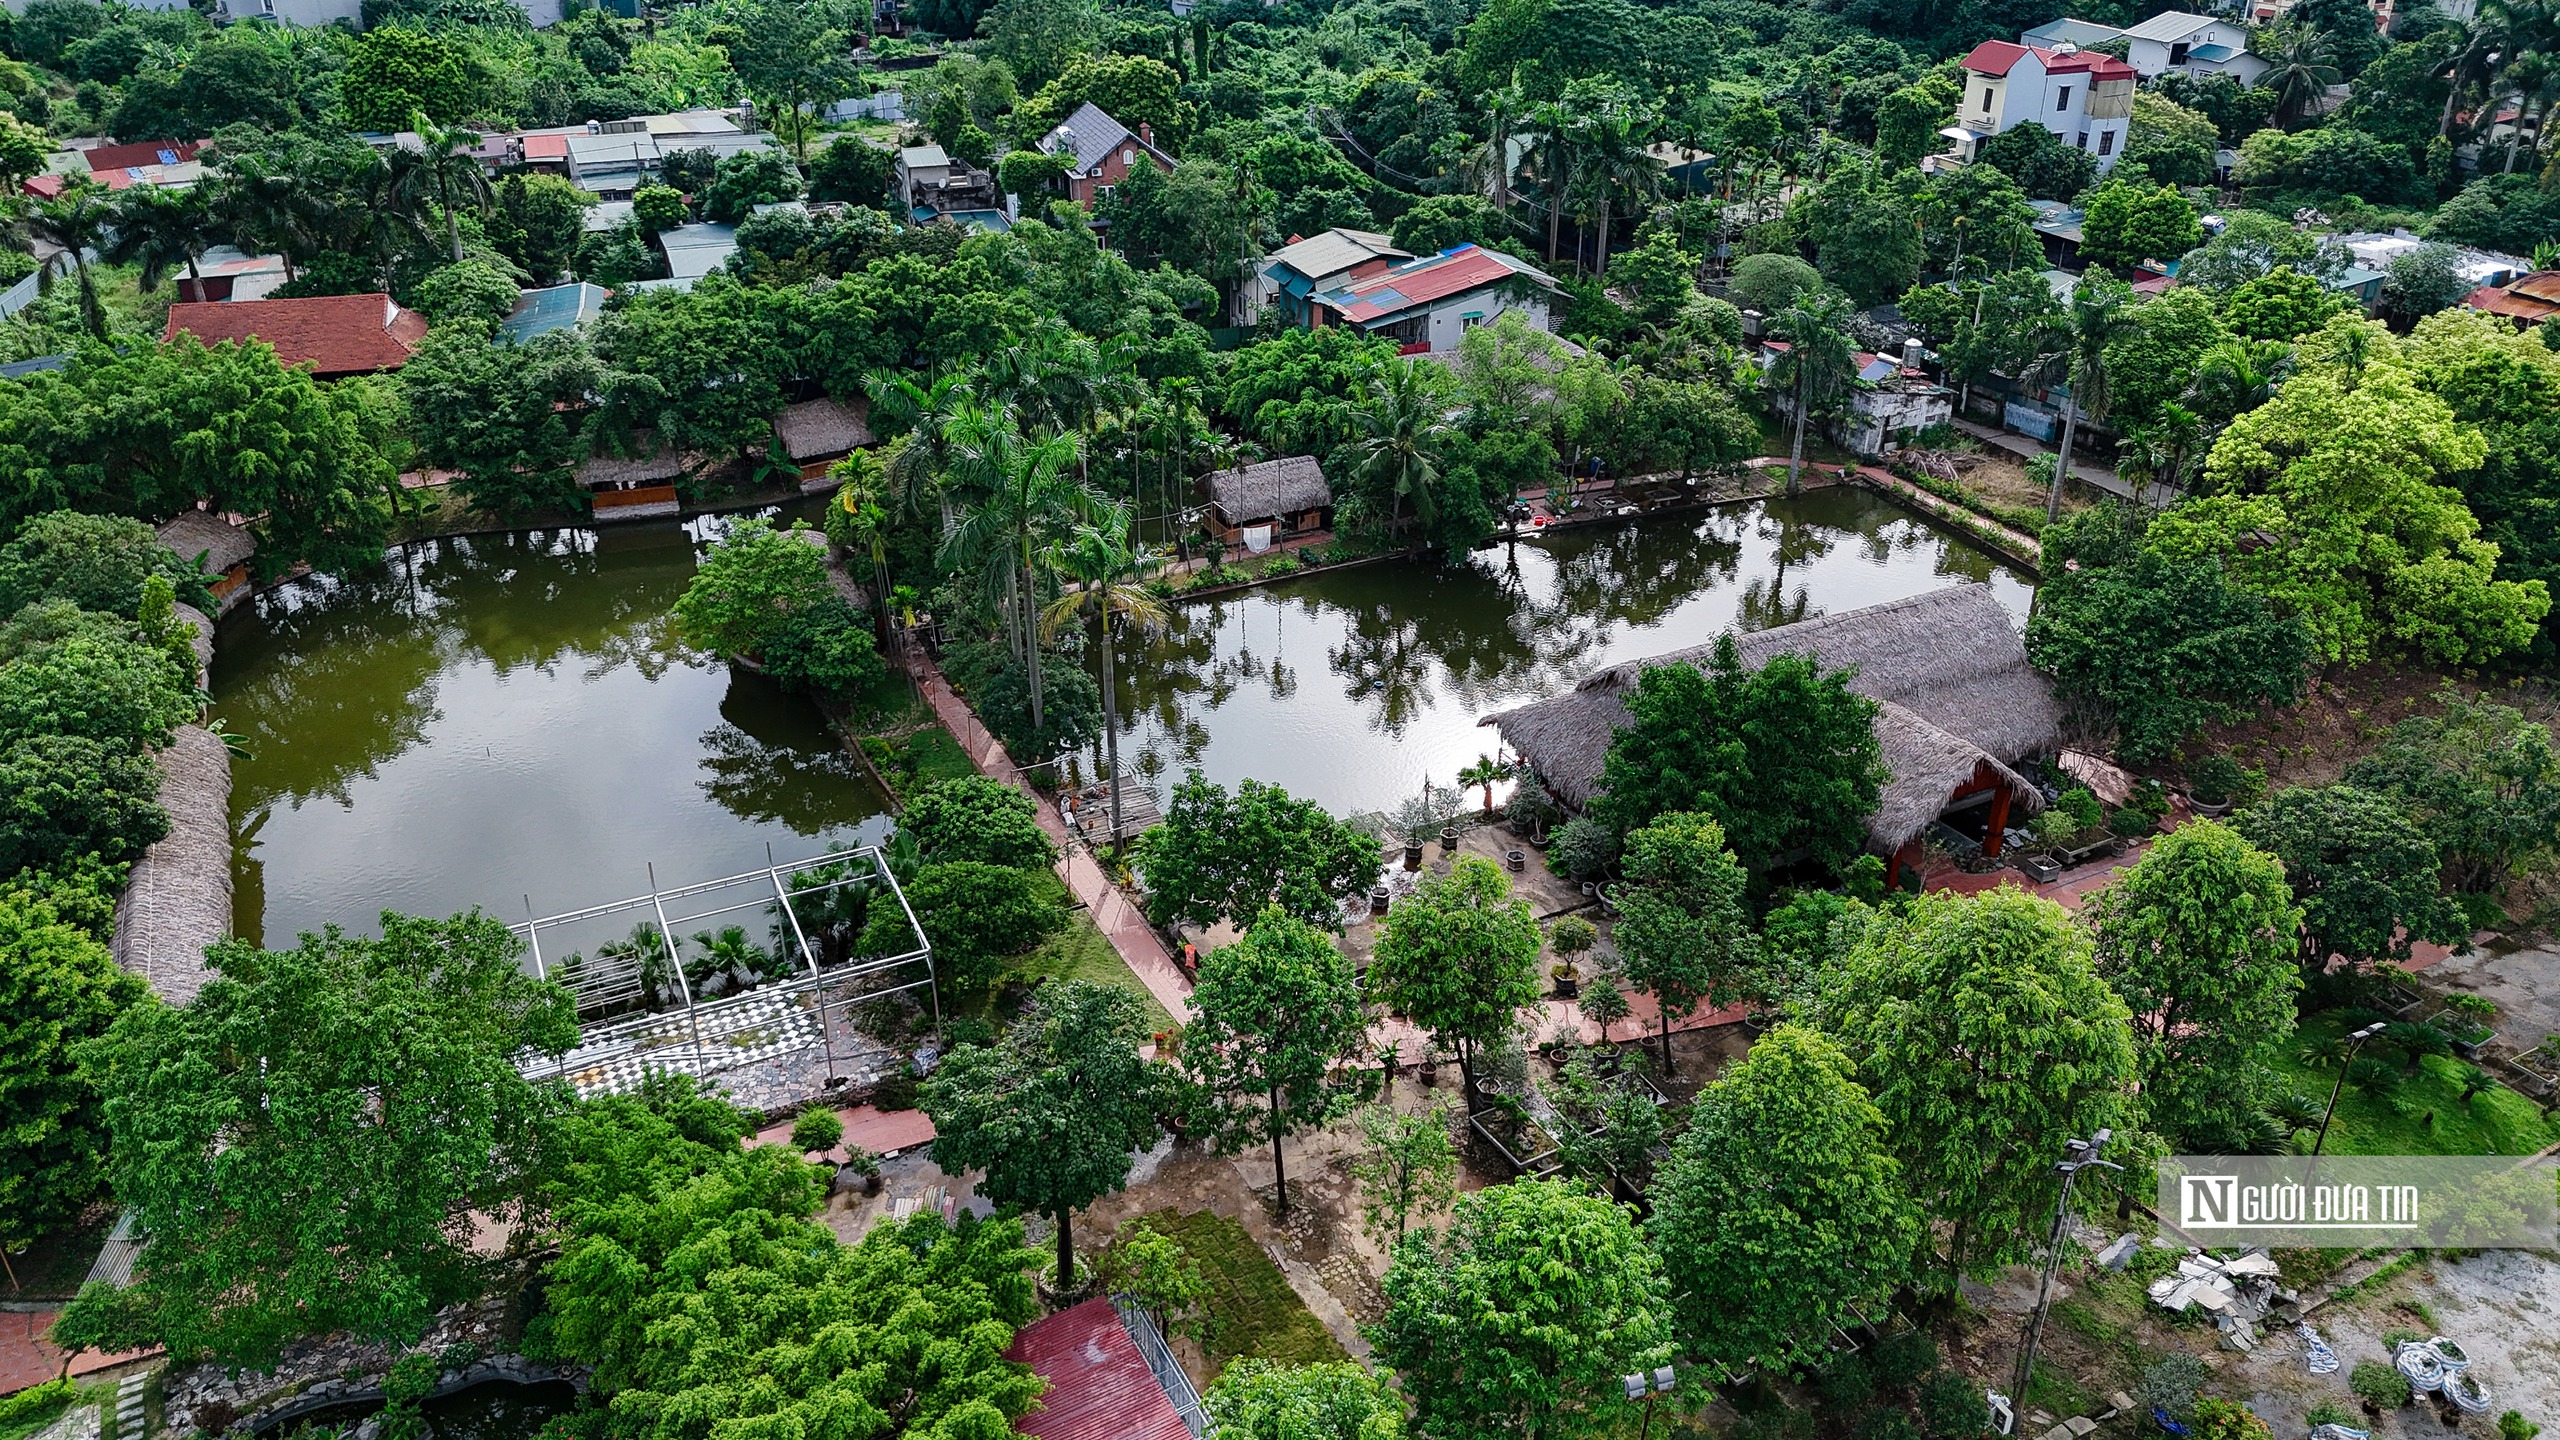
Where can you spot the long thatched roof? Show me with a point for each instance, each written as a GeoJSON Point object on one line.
{"type": "Point", "coordinates": [222, 544]}
{"type": "Point", "coordinates": [1945, 667]}
{"type": "Point", "coordinates": [1271, 488]}
{"type": "Point", "coordinates": [178, 899]}
{"type": "Point", "coordinates": [814, 429]}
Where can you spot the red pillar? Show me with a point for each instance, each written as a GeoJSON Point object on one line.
{"type": "Point", "coordinates": [1999, 821]}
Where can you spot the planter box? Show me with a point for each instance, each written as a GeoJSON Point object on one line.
{"type": "Point", "coordinates": [2042, 869]}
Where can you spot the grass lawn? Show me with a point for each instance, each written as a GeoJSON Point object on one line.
{"type": "Point", "coordinates": [1080, 952]}
{"type": "Point", "coordinates": [1250, 1303]}
{"type": "Point", "coordinates": [2425, 1115]}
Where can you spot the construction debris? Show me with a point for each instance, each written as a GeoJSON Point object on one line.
{"type": "Point", "coordinates": [2237, 1293]}
{"type": "Point", "coordinates": [2316, 1351]}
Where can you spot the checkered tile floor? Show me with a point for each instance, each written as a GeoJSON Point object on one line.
{"type": "Point", "coordinates": [755, 1028]}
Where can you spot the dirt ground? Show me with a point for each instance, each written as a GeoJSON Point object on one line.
{"type": "Point", "coordinates": [2523, 976]}
{"type": "Point", "coordinates": [2503, 1306]}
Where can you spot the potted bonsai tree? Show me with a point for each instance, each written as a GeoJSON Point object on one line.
{"type": "Point", "coordinates": [1572, 936]}
{"type": "Point", "coordinates": [1604, 1002]}
{"type": "Point", "coordinates": [2213, 783]}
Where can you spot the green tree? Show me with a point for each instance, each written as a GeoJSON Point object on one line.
{"type": "Point", "coordinates": [1403, 437]}
{"type": "Point", "coordinates": [63, 797]}
{"type": "Point", "coordinates": [1781, 1209]}
{"type": "Point", "coordinates": [2282, 304]}
{"type": "Point", "coordinates": [1521, 1318]}
{"type": "Point", "coordinates": [2198, 938]}
{"type": "Point", "coordinates": [1683, 932]}
{"type": "Point", "coordinates": [160, 230]}
{"type": "Point", "coordinates": [23, 150]}
{"type": "Point", "coordinates": [975, 818]}
{"type": "Point", "coordinates": [1406, 1167]}
{"type": "Point", "coordinates": [661, 1210]}
{"type": "Point", "coordinates": [1108, 575]}
{"type": "Point", "coordinates": [1257, 1399]}
{"type": "Point", "coordinates": [1908, 121]}
{"type": "Point", "coordinates": [500, 416]}
{"type": "Point", "coordinates": [1985, 1035]}
{"type": "Point", "coordinates": [1132, 89]}
{"type": "Point", "coordinates": [794, 64]}
{"type": "Point", "coordinates": [2153, 648]}
{"type": "Point", "coordinates": [1863, 235]}
{"type": "Point", "coordinates": [301, 1140]}
{"type": "Point", "coordinates": [444, 169]}
{"type": "Point", "coordinates": [2423, 281]}
{"type": "Point", "coordinates": [97, 562]}
{"type": "Point", "coordinates": [749, 178]}
{"type": "Point", "coordinates": [2129, 223]}
{"type": "Point", "coordinates": [749, 586]}
{"type": "Point", "coordinates": [1661, 276]}
{"type": "Point", "coordinates": [975, 915]}
{"type": "Point", "coordinates": [1771, 284]}
{"type": "Point", "coordinates": [474, 291]}
{"type": "Point", "coordinates": [2169, 142]}
{"type": "Point", "coordinates": [701, 364]}
{"type": "Point", "coordinates": [537, 222]}
{"type": "Point", "coordinates": [659, 207]}
{"type": "Point", "coordinates": [853, 170]}
{"type": "Point", "coordinates": [2098, 318]}
{"type": "Point", "coordinates": [2253, 243]}
{"type": "Point", "coordinates": [1038, 38]}
{"type": "Point", "coordinates": [2366, 876]}
{"type": "Point", "coordinates": [1153, 1271]}
{"type": "Point", "coordinates": [1279, 1021]}
{"type": "Point", "coordinates": [1437, 222]}
{"type": "Point", "coordinates": [1055, 1109]}
{"type": "Point", "coordinates": [2154, 362]}
{"type": "Point", "coordinates": [1459, 957]}
{"type": "Point", "coordinates": [2480, 779]}
{"type": "Point", "coordinates": [75, 222]}
{"type": "Point", "coordinates": [1783, 757]}
{"type": "Point", "coordinates": [59, 991]}
{"type": "Point", "coordinates": [1817, 368]}
{"type": "Point", "coordinates": [108, 684]}
{"type": "Point", "coordinates": [395, 71]}
{"type": "Point", "coordinates": [2044, 164]}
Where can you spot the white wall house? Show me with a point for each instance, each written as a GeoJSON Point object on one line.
{"type": "Point", "coordinates": [1425, 305]}
{"type": "Point", "coordinates": [2197, 45]}
{"type": "Point", "coordinates": [2080, 95]}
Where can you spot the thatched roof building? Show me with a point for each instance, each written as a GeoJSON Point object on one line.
{"type": "Point", "coordinates": [178, 899]}
{"type": "Point", "coordinates": [224, 550]}
{"type": "Point", "coordinates": [1271, 489]}
{"type": "Point", "coordinates": [653, 464]}
{"type": "Point", "coordinates": [815, 433]}
{"type": "Point", "coordinates": [1958, 703]}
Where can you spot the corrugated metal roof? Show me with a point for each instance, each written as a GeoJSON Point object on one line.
{"type": "Point", "coordinates": [1099, 1385]}
{"type": "Point", "coordinates": [1452, 272]}
{"type": "Point", "coordinates": [2169, 25]}
{"type": "Point", "coordinates": [1335, 251]}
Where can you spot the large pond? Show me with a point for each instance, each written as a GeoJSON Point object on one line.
{"type": "Point", "coordinates": [1350, 687]}
{"type": "Point", "coordinates": [500, 716]}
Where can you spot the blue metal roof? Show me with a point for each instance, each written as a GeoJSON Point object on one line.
{"type": "Point", "coordinates": [2211, 54]}
{"type": "Point", "coordinates": [561, 307]}
{"type": "Point", "coordinates": [24, 368]}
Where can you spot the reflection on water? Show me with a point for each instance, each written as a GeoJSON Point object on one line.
{"type": "Point", "coordinates": [1350, 687]}
{"type": "Point", "coordinates": [496, 716]}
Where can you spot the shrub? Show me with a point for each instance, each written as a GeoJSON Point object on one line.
{"type": "Point", "coordinates": [1573, 935]}
{"type": "Point", "coordinates": [2328, 1413]}
{"type": "Point", "coordinates": [97, 562]}
{"type": "Point", "coordinates": [2216, 779]}
{"type": "Point", "coordinates": [825, 648]}
{"type": "Point", "coordinates": [1902, 1359]}
{"type": "Point", "coordinates": [1952, 1407]}
{"type": "Point", "coordinates": [2170, 1384]}
{"type": "Point", "coordinates": [62, 796]}
{"type": "Point", "coordinates": [1584, 849]}
{"type": "Point", "coordinates": [1846, 1385]}
{"type": "Point", "coordinates": [975, 818]}
{"type": "Point", "coordinates": [659, 207]}
{"type": "Point", "coordinates": [32, 1408]}
{"type": "Point", "coordinates": [2081, 804]}
{"type": "Point", "coordinates": [2379, 1386]}
{"type": "Point", "coordinates": [112, 689]}
{"type": "Point", "coordinates": [2224, 1420]}
{"type": "Point", "coordinates": [816, 1128]}
{"type": "Point", "coordinates": [974, 914]}
{"type": "Point", "coordinates": [2513, 1426]}
{"type": "Point", "coordinates": [1888, 1422]}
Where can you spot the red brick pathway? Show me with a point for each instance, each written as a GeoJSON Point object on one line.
{"type": "Point", "coordinates": [28, 1359]}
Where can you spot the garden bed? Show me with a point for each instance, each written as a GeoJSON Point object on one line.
{"type": "Point", "coordinates": [1252, 1309]}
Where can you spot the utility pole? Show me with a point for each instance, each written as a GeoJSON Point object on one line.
{"type": "Point", "coordinates": [2077, 1156]}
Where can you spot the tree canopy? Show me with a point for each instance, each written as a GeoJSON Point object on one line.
{"type": "Point", "coordinates": [1221, 856]}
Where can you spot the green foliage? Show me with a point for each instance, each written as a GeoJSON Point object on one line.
{"type": "Point", "coordinates": [749, 178]}
{"type": "Point", "coordinates": [1683, 932]}
{"type": "Point", "coordinates": [2169, 142]}
{"type": "Point", "coordinates": [2513, 1426]}
{"type": "Point", "coordinates": [298, 1140]}
{"type": "Point", "coordinates": [750, 585]}
{"type": "Point", "coordinates": [63, 797]}
{"type": "Point", "coordinates": [2366, 876]}
{"type": "Point", "coordinates": [500, 416]}
{"type": "Point", "coordinates": [1983, 1031]}
{"type": "Point", "coordinates": [1406, 1167]}
{"type": "Point", "coordinates": [1437, 222]}
{"type": "Point", "coordinates": [1584, 849]}
{"type": "Point", "coordinates": [1863, 235]}
{"type": "Point", "coordinates": [2482, 782]}
{"type": "Point", "coordinates": [537, 222]}
{"type": "Point", "coordinates": [1225, 857]}
{"type": "Point", "coordinates": [1781, 1209]}
{"type": "Point", "coordinates": [473, 290]}
{"type": "Point", "coordinates": [1053, 1111]}
{"type": "Point", "coordinates": [853, 170]}
{"type": "Point", "coordinates": [97, 562]}
{"type": "Point", "coordinates": [117, 689]}
{"type": "Point", "coordinates": [1459, 957]}
{"type": "Point", "coordinates": [2379, 1385]}
{"type": "Point", "coordinates": [1521, 1318]}
{"type": "Point", "coordinates": [1952, 1407]}
{"type": "Point", "coordinates": [816, 1128]}
{"type": "Point", "coordinates": [1152, 1269]}
{"type": "Point", "coordinates": [2282, 304]}
{"type": "Point", "coordinates": [153, 429]}
{"type": "Point", "coordinates": [1132, 89]}
{"type": "Point", "coordinates": [659, 207]}
{"type": "Point", "coordinates": [2155, 648]}
{"type": "Point", "coordinates": [1256, 1399]}
{"type": "Point", "coordinates": [2044, 164]}
{"type": "Point", "coordinates": [1279, 1018]}
{"type": "Point", "coordinates": [975, 818]}
{"type": "Point", "coordinates": [974, 915]}
{"type": "Point", "coordinates": [901, 1335]}
{"type": "Point", "coordinates": [2198, 938]}
{"type": "Point", "coordinates": [395, 71]}
{"type": "Point", "coordinates": [2129, 223]}
{"type": "Point", "coordinates": [1771, 283]}
{"type": "Point", "coordinates": [1784, 757]}
{"type": "Point", "coordinates": [700, 365]}
{"type": "Point", "coordinates": [59, 990]}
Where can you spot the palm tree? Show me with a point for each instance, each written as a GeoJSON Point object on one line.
{"type": "Point", "coordinates": [1401, 425]}
{"type": "Point", "coordinates": [2302, 66]}
{"type": "Point", "coordinates": [1488, 164]}
{"type": "Point", "coordinates": [387, 212]}
{"type": "Point", "coordinates": [161, 230]}
{"type": "Point", "coordinates": [446, 170]}
{"type": "Point", "coordinates": [1818, 365]}
{"type": "Point", "coordinates": [2237, 376]}
{"type": "Point", "coordinates": [861, 488]}
{"type": "Point", "coordinates": [1032, 496]}
{"type": "Point", "coordinates": [921, 415]}
{"type": "Point", "coordinates": [1556, 143]}
{"type": "Point", "coordinates": [2099, 315]}
{"type": "Point", "coordinates": [270, 208]}
{"type": "Point", "coordinates": [1110, 576]}
{"type": "Point", "coordinates": [1617, 162]}
{"type": "Point", "coordinates": [2495, 28]}
{"type": "Point", "coordinates": [76, 222]}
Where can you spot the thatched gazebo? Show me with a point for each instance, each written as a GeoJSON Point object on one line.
{"type": "Point", "coordinates": [1957, 700]}
{"type": "Point", "coordinates": [638, 486]}
{"type": "Point", "coordinates": [178, 899]}
{"type": "Point", "coordinates": [815, 434]}
{"type": "Point", "coordinates": [223, 549]}
{"type": "Point", "coordinates": [1289, 494]}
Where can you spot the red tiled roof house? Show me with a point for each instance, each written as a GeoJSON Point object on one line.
{"type": "Point", "coordinates": [2081, 95]}
{"type": "Point", "coordinates": [336, 335]}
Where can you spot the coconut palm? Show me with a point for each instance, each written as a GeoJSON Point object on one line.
{"type": "Point", "coordinates": [921, 416]}
{"type": "Point", "coordinates": [161, 230]}
{"type": "Point", "coordinates": [862, 483]}
{"type": "Point", "coordinates": [1556, 146]}
{"type": "Point", "coordinates": [447, 170]}
{"type": "Point", "coordinates": [75, 222]}
{"type": "Point", "coordinates": [1402, 426]}
{"type": "Point", "coordinates": [269, 207]}
{"type": "Point", "coordinates": [1818, 365]}
{"type": "Point", "coordinates": [2099, 315]}
{"type": "Point", "coordinates": [1488, 164]}
{"type": "Point", "coordinates": [2302, 66]}
{"type": "Point", "coordinates": [2497, 27]}
{"type": "Point", "coordinates": [386, 213]}
{"type": "Point", "coordinates": [2235, 377]}
{"type": "Point", "coordinates": [1032, 497]}
{"type": "Point", "coordinates": [1109, 575]}
{"type": "Point", "coordinates": [1617, 163]}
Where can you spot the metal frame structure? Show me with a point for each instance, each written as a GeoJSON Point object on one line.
{"type": "Point", "coordinates": [699, 1036]}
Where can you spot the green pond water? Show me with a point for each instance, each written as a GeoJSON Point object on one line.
{"type": "Point", "coordinates": [499, 716]}
{"type": "Point", "coordinates": [1350, 687]}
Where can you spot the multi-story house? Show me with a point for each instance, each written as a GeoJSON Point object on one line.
{"type": "Point", "coordinates": [2081, 95]}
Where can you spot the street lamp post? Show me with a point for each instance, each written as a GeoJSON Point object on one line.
{"type": "Point", "coordinates": [2077, 1156]}
{"type": "Point", "coordinates": [1648, 1387]}
{"type": "Point", "coordinates": [2355, 1042]}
